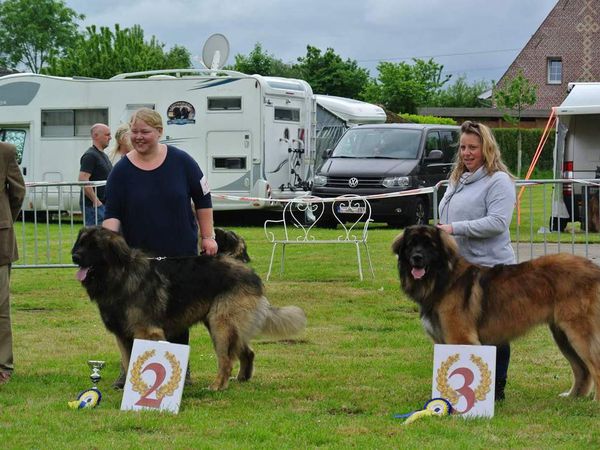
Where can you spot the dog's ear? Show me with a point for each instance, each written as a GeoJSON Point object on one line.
{"type": "Point", "coordinates": [449, 246]}
{"type": "Point", "coordinates": [77, 241]}
{"type": "Point", "coordinates": [115, 248]}
{"type": "Point", "coordinates": [398, 242]}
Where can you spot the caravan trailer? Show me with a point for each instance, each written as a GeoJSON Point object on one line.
{"type": "Point", "coordinates": [253, 136]}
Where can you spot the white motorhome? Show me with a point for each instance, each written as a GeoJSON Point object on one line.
{"type": "Point", "coordinates": [253, 136]}
{"type": "Point", "coordinates": [577, 151]}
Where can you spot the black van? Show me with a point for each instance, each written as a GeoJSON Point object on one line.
{"type": "Point", "coordinates": [378, 159]}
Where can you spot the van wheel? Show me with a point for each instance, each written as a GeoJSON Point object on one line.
{"type": "Point", "coordinates": [417, 213]}
{"type": "Point", "coordinates": [557, 223]}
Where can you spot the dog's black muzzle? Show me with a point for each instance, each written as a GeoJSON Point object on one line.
{"type": "Point", "coordinates": [417, 260]}
{"type": "Point", "coordinates": [76, 258]}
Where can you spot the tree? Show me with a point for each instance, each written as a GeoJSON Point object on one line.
{"type": "Point", "coordinates": [516, 95]}
{"type": "Point", "coordinates": [31, 31]}
{"type": "Point", "coordinates": [104, 53]}
{"type": "Point", "coordinates": [402, 87]}
{"type": "Point", "coordinates": [262, 63]}
{"type": "Point", "coordinates": [460, 94]}
{"type": "Point", "coordinates": [328, 74]}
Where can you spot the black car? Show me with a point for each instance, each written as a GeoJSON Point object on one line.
{"type": "Point", "coordinates": [378, 159]}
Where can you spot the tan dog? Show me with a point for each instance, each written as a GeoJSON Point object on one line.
{"type": "Point", "coordinates": [462, 303]}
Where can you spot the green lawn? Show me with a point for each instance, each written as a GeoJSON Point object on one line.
{"type": "Point", "coordinates": [363, 358]}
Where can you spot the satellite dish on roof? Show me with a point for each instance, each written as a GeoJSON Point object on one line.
{"type": "Point", "coordinates": [215, 51]}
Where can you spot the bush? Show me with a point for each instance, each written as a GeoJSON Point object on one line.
{"type": "Point", "coordinates": [530, 138]}
{"type": "Point", "coordinates": [415, 118]}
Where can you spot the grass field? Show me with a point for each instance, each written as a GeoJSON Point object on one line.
{"type": "Point", "coordinates": [363, 358]}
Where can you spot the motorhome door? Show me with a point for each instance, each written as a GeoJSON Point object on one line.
{"type": "Point", "coordinates": [284, 143]}
{"type": "Point", "coordinates": [19, 137]}
{"type": "Point", "coordinates": [229, 162]}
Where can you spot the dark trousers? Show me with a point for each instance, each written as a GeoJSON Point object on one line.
{"type": "Point", "coordinates": [184, 338]}
{"type": "Point", "coordinates": [502, 360]}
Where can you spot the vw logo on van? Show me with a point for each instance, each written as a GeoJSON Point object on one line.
{"type": "Point", "coordinates": [353, 182]}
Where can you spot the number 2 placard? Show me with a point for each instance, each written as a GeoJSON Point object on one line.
{"type": "Point", "coordinates": [156, 376]}
{"type": "Point", "coordinates": [464, 375]}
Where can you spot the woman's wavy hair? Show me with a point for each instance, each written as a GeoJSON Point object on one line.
{"type": "Point", "coordinates": [492, 158]}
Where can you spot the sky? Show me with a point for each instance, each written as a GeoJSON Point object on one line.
{"type": "Point", "coordinates": [475, 38]}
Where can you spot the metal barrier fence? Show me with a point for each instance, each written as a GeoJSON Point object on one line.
{"type": "Point", "coordinates": [52, 218]}
{"type": "Point", "coordinates": [542, 223]}
{"type": "Point", "coordinates": [49, 223]}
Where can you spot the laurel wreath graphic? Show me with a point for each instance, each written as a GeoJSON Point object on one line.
{"type": "Point", "coordinates": [166, 389]}
{"type": "Point", "coordinates": [442, 380]}
{"type": "Point", "coordinates": [486, 378]}
{"type": "Point", "coordinates": [450, 394]}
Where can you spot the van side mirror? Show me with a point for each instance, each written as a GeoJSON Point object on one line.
{"type": "Point", "coordinates": [435, 155]}
{"type": "Point", "coordinates": [327, 153]}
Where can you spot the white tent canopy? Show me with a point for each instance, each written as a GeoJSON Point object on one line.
{"type": "Point", "coordinates": [351, 111]}
{"type": "Point", "coordinates": [583, 98]}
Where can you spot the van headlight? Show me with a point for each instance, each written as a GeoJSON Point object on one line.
{"type": "Point", "coordinates": [396, 182]}
{"type": "Point", "coordinates": [319, 180]}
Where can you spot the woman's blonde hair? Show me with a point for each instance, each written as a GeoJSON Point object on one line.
{"type": "Point", "coordinates": [115, 152]}
{"type": "Point", "coordinates": [148, 116]}
{"type": "Point", "coordinates": [492, 158]}
{"type": "Point", "coordinates": [123, 128]}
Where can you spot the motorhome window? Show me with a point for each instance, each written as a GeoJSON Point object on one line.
{"type": "Point", "coordinates": [16, 138]}
{"type": "Point", "coordinates": [58, 123]}
{"type": "Point", "coordinates": [225, 104]}
{"type": "Point", "coordinates": [373, 142]}
{"type": "Point", "coordinates": [554, 71]}
{"type": "Point", "coordinates": [85, 118]}
{"type": "Point", "coordinates": [229, 163]}
{"type": "Point", "coordinates": [71, 122]}
{"type": "Point", "coordinates": [287, 114]}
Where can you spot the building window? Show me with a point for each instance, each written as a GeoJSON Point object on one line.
{"type": "Point", "coordinates": [554, 71]}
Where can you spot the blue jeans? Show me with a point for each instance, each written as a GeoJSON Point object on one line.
{"type": "Point", "coordinates": [90, 213]}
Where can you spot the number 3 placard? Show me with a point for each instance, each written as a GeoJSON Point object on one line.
{"type": "Point", "coordinates": [156, 376]}
{"type": "Point", "coordinates": [464, 375]}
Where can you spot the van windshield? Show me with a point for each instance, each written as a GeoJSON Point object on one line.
{"type": "Point", "coordinates": [392, 143]}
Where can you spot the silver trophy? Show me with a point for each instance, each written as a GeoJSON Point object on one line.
{"type": "Point", "coordinates": [96, 366]}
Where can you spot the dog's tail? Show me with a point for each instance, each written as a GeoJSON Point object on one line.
{"type": "Point", "coordinates": [283, 321]}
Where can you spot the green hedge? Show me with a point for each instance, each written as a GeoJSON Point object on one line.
{"type": "Point", "coordinates": [507, 140]}
{"type": "Point", "coordinates": [416, 118]}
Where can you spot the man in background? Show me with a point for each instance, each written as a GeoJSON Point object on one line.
{"type": "Point", "coordinates": [95, 166]}
{"type": "Point", "coordinates": [12, 193]}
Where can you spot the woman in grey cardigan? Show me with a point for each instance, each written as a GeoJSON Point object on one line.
{"type": "Point", "coordinates": [477, 209]}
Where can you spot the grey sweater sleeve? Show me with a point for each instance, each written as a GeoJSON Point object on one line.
{"type": "Point", "coordinates": [500, 201]}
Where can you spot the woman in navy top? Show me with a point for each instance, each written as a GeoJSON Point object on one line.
{"type": "Point", "coordinates": [149, 194]}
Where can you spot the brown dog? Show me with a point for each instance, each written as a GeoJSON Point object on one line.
{"type": "Point", "coordinates": [158, 298]}
{"type": "Point", "coordinates": [462, 303]}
